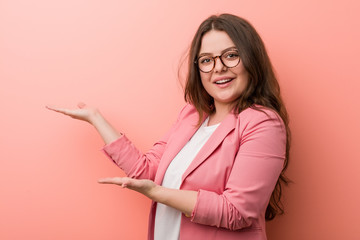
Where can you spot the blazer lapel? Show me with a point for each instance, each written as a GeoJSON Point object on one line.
{"type": "Point", "coordinates": [225, 127]}
{"type": "Point", "coordinates": [179, 138]}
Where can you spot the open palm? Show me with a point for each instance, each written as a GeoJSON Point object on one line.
{"type": "Point", "coordinates": [83, 112]}
{"type": "Point", "coordinates": [144, 186]}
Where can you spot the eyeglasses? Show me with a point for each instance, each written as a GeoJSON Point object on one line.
{"type": "Point", "coordinates": [229, 59]}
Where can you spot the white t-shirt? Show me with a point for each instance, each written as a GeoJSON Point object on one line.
{"type": "Point", "coordinates": [167, 219]}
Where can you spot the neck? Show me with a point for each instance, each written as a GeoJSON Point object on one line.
{"type": "Point", "coordinates": [221, 111]}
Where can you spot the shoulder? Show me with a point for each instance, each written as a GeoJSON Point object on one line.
{"type": "Point", "coordinates": [188, 110]}
{"type": "Point", "coordinates": [188, 115]}
{"type": "Point", "coordinates": [259, 115]}
{"type": "Point", "coordinates": [263, 129]}
{"type": "Point", "coordinates": [258, 112]}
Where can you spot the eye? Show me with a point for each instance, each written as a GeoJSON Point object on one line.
{"type": "Point", "coordinates": [205, 60]}
{"type": "Point", "coordinates": [231, 55]}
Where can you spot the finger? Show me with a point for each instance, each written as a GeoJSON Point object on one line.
{"type": "Point", "coordinates": [56, 109]}
{"type": "Point", "coordinates": [128, 182]}
{"type": "Point", "coordinates": [81, 105]}
{"type": "Point", "coordinates": [115, 180]}
{"type": "Point", "coordinates": [106, 180]}
{"type": "Point", "coordinates": [50, 107]}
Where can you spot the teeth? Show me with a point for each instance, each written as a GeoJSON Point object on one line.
{"type": "Point", "coordinates": [223, 81]}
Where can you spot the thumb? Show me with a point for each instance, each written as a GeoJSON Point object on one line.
{"type": "Point", "coordinates": [81, 105]}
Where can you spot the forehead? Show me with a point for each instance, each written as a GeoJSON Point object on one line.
{"type": "Point", "coordinates": [215, 41]}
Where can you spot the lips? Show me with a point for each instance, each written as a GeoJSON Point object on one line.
{"type": "Point", "coordinates": [223, 81]}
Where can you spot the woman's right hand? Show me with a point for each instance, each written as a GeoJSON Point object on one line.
{"type": "Point", "coordinates": [91, 115]}
{"type": "Point", "coordinates": [83, 112]}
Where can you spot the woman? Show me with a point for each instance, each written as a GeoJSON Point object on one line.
{"type": "Point", "coordinates": [217, 173]}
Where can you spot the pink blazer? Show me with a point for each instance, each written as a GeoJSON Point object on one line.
{"type": "Point", "coordinates": [234, 173]}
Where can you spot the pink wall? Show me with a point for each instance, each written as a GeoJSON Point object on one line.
{"type": "Point", "coordinates": [123, 57]}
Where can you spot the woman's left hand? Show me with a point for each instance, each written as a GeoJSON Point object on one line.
{"type": "Point", "coordinates": [182, 200]}
{"type": "Point", "coordinates": [144, 186]}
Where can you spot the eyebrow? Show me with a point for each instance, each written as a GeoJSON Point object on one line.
{"type": "Point", "coordinates": [225, 50]}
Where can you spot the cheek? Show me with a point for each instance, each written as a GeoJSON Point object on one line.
{"type": "Point", "coordinates": [243, 75]}
{"type": "Point", "coordinates": [204, 77]}
{"type": "Point", "coordinates": [205, 80]}
{"type": "Point", "coordinates": [244, 85]}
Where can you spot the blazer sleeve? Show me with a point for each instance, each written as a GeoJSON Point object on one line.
{"type": "Point", "coordinates": [255, 171]}
{"type": "Point", "coordinates": [132, 161]}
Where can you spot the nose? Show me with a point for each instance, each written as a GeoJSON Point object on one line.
{"type": "Point", "coordinates": [219, 65]}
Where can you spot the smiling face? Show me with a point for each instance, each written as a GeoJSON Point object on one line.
{"type": "Point", "coordinates": [224, 84]}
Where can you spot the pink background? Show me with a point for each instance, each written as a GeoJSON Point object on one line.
{"type": "Point", "coordinates": [123, 56]}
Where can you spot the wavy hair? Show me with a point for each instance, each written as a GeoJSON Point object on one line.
{"type": "Point", "coordinates": [262, 88]}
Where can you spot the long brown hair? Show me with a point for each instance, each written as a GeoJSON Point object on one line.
{"type": "Point", "coordinates": [262, 88]}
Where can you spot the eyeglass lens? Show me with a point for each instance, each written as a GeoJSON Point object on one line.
{"type": "Point", "coordinates": [229, 59]}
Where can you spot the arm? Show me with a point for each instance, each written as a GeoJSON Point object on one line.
{"type": "Point", "coordinates": [132, 161]}
{"type": "Point", "coordinates": [117, 147]}
{"type": "Point", "coordinates": [107, 132]}
{"type": "Point", "coordinates": [254, 173]}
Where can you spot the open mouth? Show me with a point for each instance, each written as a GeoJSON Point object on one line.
{"type": "Point", "coordinates": [223, 81]}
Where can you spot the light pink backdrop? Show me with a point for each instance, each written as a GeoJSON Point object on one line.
{"type": "Point", "coordinates": [123, 56]}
